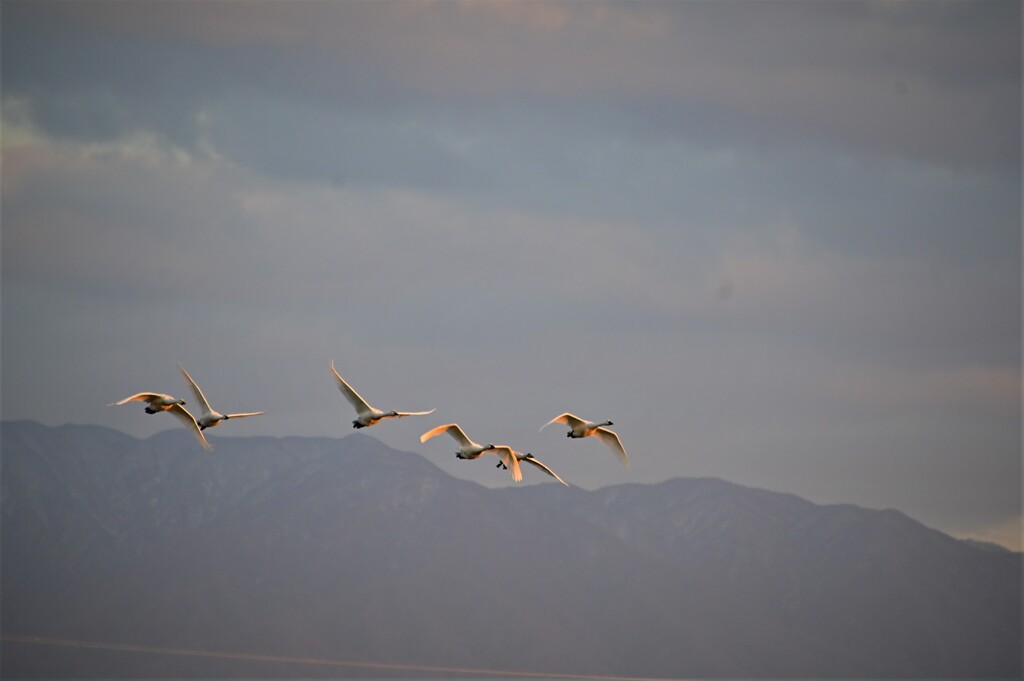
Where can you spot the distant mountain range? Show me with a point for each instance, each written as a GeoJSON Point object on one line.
{"type": "Point", "coordinates": [345, 549]}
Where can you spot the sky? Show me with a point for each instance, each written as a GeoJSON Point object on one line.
{"type": "Point", "coordinates": [774, 242]}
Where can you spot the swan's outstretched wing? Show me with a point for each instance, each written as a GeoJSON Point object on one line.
{"type": "Point", "coordinates": [566, 418]}
{"type": "Point", "coordinates": [241, 416]}
{"type": "Point", "coordinates": [361, 406]}
{"type": "Point", "coordinates": [180, 413]}
{"type": "Point", "coordinates": [508, 457]}
{"type": "Point", "coordinates": [200, 398]}
{"type": "Point", "coordinates": [612, 440]}
{"type": "Point", "coordinates": [400, 414]}
{"type": "Point", "coordinates": [140, 397]}
{"type": "Point", "coordinates": [529, 458]}
{"type": "Point", "coordinates": [450, 428]}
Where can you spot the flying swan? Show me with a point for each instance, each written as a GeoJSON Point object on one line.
{"type": "Point", "coordinates": [158, 402]}
{"type": "Point", "coordinates": [209, 418]}
{"type": "Point", "coordinates": [366, 415]}
{"type": "Point", "coordinates": [472, 450]}
{"type": "Point", "coordinates": [581, 428]}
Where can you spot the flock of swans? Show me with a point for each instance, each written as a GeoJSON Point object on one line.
{"type": "Point", "coordinates": [367, 415]}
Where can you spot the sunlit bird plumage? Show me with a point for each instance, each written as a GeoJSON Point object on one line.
{"type": "Point", "coordinates": [159, 402]}
{"type": "Point", "coordinates": [582, 428]}
{"type": "Point", "coordinates": [473, 450]}
{"type": "Point", "coordinates": [367, 415]}
{"type": "Point", "coordinates": [209, 418]}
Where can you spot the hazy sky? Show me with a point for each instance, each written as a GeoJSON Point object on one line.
{"type": "Point", "coordinates": [774, 242]}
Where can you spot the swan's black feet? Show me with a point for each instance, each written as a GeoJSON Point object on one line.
{"type": "Point", "coordinates": [150, 411]}
{"type": "Point", "coordinates": [356, 424]}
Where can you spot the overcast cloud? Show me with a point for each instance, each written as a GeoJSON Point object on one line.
{"type": "Point", "coordinates": [775, 242]}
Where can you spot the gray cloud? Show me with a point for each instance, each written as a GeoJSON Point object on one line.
{"type": "Point", "coordinates": [936, 82]}
{"type": "Point", "coordinates": [763, 118]}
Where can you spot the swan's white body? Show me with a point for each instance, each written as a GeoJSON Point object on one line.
{"type": "Point", "coordinates": [582, 428]}
{"type": "Point", "coordinates": [209, 418]}
{"type": "Point", "coordinates": [472, 450]}
{"type": "Point", "coordinates": [155, 401]}
{"type": "Point", "coordinates": [367, 415]}
{"type": "Point", "coordinates": [531, 459]}
{"type": "Point", "coordinates": [159, 402]}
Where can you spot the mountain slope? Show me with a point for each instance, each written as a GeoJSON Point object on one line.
{"type": "Point", "coordinates": [347, 549]}
{"type": "Point", "coordinates": [887, 595]}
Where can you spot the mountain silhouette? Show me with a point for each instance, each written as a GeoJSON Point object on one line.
{"type": "Point", "coordinates": [346, 549]}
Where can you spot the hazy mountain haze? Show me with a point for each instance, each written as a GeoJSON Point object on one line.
{"type": "Point", "coordinates": [346, 549]}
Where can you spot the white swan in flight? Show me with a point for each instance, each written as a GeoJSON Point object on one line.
{"type": "Point", "coordinates": [472, 450]}
{"type": "Point", "coordinates": [209, 418]}
{"type": "Point", "coordinates": [582, 428]}
{"type": "Point", "coordinates": [366, 415]}
{"type": "Point", "coordinates": [158, 402]}
{"type": "Point", "coordinates": [531, 459]}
